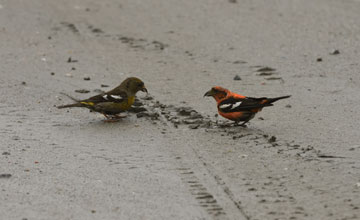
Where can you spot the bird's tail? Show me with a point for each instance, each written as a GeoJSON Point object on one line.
{"type": "Point", "coordinates": [278, 98]}
{"type": "Point", "coordinates": [77, 104]}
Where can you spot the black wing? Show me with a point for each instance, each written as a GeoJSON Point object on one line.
{"type": "Point", "coordinates": [242, 104]}
{"type": "Point", "coordinates": [108, 97]}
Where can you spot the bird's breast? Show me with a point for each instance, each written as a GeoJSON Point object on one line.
{"type": "Point", "coordinates": [234, 116]}
{"type": "Point", "coordinates": [128, 104]}
{"type": "Point", "coordinates": [131, 101]}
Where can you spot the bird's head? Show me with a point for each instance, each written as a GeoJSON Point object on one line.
{"type": "Point", "coordinates": [133, 85]}
{"type": "Point", "coordinates": [217, 92]}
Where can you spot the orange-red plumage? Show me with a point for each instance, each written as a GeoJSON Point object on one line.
{"type": "Point", "coordinates": [237, 107]}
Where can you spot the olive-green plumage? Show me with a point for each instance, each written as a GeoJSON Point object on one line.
{"type": "Point", "coordinates": [114, 101]}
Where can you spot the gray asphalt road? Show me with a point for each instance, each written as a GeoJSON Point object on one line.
{"type": "Point", "coordinates": [296, 160]}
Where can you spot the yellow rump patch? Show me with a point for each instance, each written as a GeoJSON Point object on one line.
{"type": "Point", "coordinates": [87, 103]}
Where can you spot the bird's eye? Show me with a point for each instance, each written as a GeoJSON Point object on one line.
{"type": "Point", "coordinates": [140, 84]}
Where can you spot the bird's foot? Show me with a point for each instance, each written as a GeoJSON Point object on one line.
{"type": "Point", "coordinates": [107, 116]}
{"type": "Point", "coordinates": [236, 124]}
{"type": "Point", "coordinates": [111, 120]}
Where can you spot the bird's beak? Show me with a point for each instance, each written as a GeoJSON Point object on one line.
{"type": "Point", "coordinates": [143, 89]}
{"type": "Point", "coordinates": [209, 93]}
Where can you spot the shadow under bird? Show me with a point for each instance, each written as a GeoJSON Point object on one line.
{"type": "Point", "coordinates": [113, 102]}
{"type": "Point", "coordinates": [237, 107]}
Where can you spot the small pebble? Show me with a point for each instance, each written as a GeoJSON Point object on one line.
{"type": "Point", "coordinates": [70, 60]}
{"type": "Point", "coordinates": [239, 62]}
{"type": "Point", "coordinates": [52, 73]}
{"type": "Point", "coordinates": [195, 115]}
{"type": "Point", "coordinates": [265, 74]}
{"type": "Point", "coordinates": [5, 176]}
{"type": "Point", "coordinates": [272, 139]}
{"type": "Point", "coordinates": [86, 78]}
{"type": "Point", "coordinates": [265, 69]}
{"type": "Point", "coordinates": [274, 78]}
{"type": "Point", "coordinates": [237, 77]}
{"type": "Point", "coordinates": [97, 30]}
{"type": "Point", "coordinates": [319, 59]}
{"type": "Point", "coordinates": [82, 91]}
{"type": "Point", "coordinates": [184, 111]}
{"type": "Point", "coordinates": [296, 146]}
{"type": "Point", "coordinates": [103, 85]}
{"type": "Point", "coordinates": [194, 126]}
{"type": "Point", "coordinates": [335, 52]}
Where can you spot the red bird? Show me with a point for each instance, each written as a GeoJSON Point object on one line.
{"type": "Point", "coordinates": [237, 107]}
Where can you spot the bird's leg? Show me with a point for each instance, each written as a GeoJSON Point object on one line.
{"type": "Point", "coordinates": [110, 119]}
{"type": "Point", "coordinates": [242, 124]}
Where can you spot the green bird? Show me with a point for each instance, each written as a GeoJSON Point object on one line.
{"type": "Point", "coordinates": [113, 102]}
